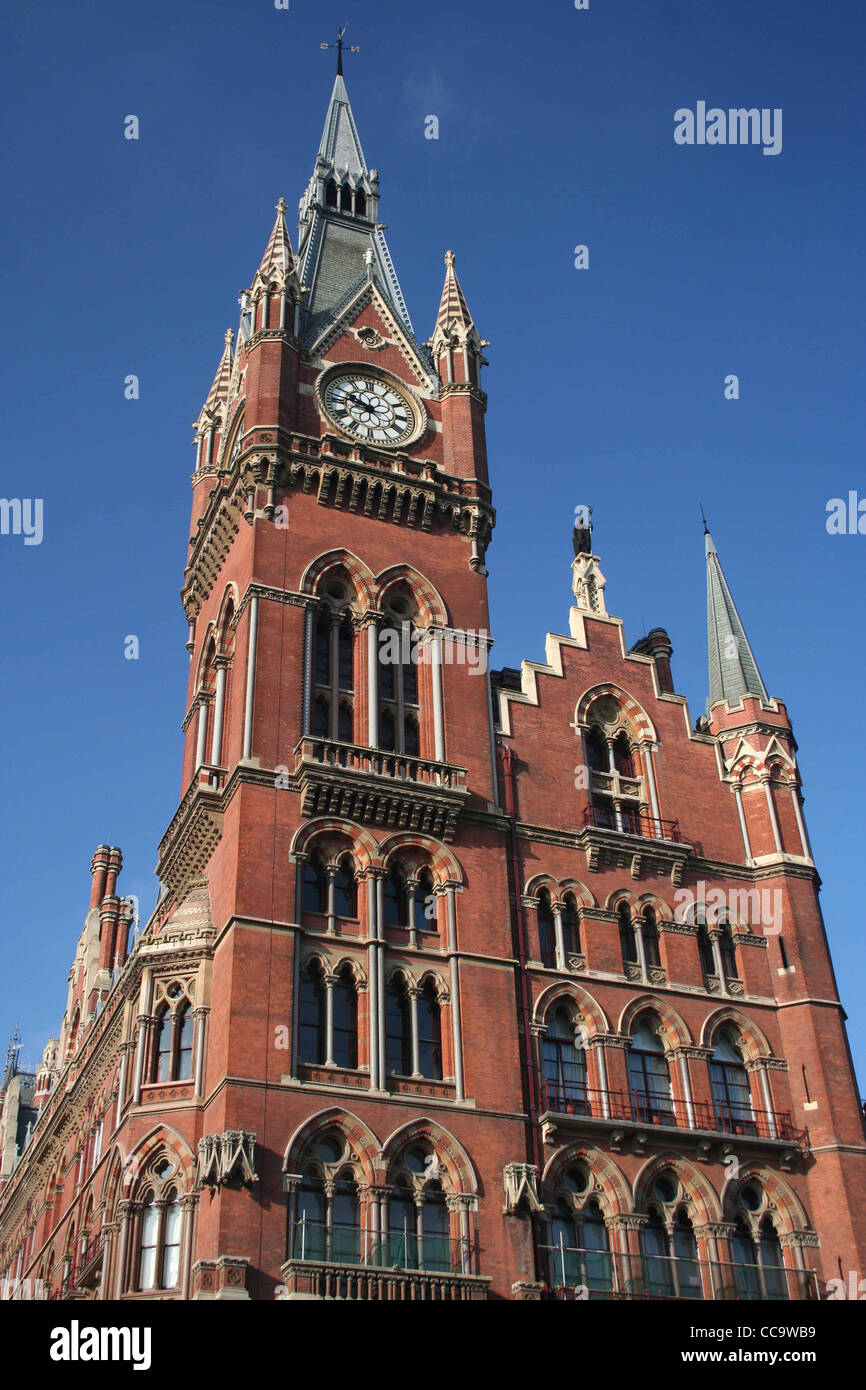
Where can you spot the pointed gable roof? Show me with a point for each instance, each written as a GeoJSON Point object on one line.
{"type": "Point", "coordinates": [733, 669]}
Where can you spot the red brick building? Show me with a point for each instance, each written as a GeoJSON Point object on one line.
{"type": "Point", "coordinates": [461, 983]}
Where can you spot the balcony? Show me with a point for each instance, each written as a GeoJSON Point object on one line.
{"type": "Point", "coordinates": [580, 1274]}
{"type": "Point", "coordinates": [378, 787]}
{"type": "Point", "coordinates": [81, 1278]}
{"type": "Point", "coordinates": [334, 1263]}
{"type": "Point", "coordinates": [640, 843]}
{"type": "Point", "coordinates": [562, 1103]}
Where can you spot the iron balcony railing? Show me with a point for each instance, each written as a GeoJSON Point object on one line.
{"type": "Point", "coordinates": [577, 1273]}
{"type": "Point", "coordinates": [641, 1107]}
{"type": "Point", "coordinates": [633, 822]}
{"type": "Point", "coordinates": [345, 1245]}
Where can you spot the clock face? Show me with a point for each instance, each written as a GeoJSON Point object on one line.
{"type": "Point", "coordinates": [369, 409]}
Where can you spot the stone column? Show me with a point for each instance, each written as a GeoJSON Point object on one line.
{"type": "Point", "coordinates": [251, 676]}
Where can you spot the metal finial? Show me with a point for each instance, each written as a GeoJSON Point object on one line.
{"type": "Point", "coordinates": [704, 520]}
{"type": "Point", "coordinates": [339, 47]}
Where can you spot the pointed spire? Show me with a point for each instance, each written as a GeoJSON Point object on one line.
{"type": "Point", "coordinates": [219, 390]}
{"type": "Point", "coordinates": [732, 666]}
{"type": "Point", "coordinates": [278, 262]}
{"type": "Point", "coordinates": [340, 144]}
{"type": "Point", "coordinates": [454, 323]}
{"type": "Point", "coordinates": [341, 243]}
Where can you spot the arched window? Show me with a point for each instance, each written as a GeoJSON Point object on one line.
{"type": "Point", "coordinates": [345, 1020]}
{"type": "Point", "coordinates": [732, 1093]}
{"type": "Point", "coordinates": [399, 726]}
{"type": "Point", "coordinates": [728, 951]}
{"type": "Point", "coordinates": [333, 676]}
{"type": "Point", "coordinates": [705, 950]}
{"type": "Point", "coordinates": [330, 194]}
{"type": "Point", "coordinates": [648, 1075]}
{"type": "Point", "coordinates": [360, 203]}
{"type": "Point", "coordinates": [398, 1028]}
{"type": "Point", "coordinates": [580, 1248]}
{"type": "Point", "coordinates": [345, 890]}
{"type": "Point", "coordinates": [622, 756]}
{"type": "Point", "coordinates": [311, 1223]}
{"type": "Point", "coordinates": [671, 1268]}
{"type": "Point", "coordinates": [423, 903]}
{"type": "Point", "coordinates": [315, 894]}
{"type": "Point", "coordinates": [184, 1027]}
{"type": "Point", "coordinates": [170, 1263]}
{"type": "Point", "coordinates": [435, 1230]}
{"type": "Point", "coordinates": [162, 1045]}
{"type": "Point", "coordinates": [687, 1270]}
{"type": "Point", "coordinates": [345, 198]}
{"type": "Point", "coordinates": [311, 1037]}
{"type": "Point", "coordinates": [429, 1033]}
{"type": "Point", "coordinates": [745, 1253]}
{"type": "Point", "coordinates": [571, 926]}
{"type": "Point", "coordinates": [564, 1066]}
{"type": "Point", "coordinates": [650, 936]}
{"type": "Point", "coordinates": [396, 898]}
{"type": "Point", "coordinates": [148, 1245]}
{"type": "Point", "coordinates": [345, 1221]}
{"type": "Point", "coordinates": [403, 1242]}
{"type": "Point", "coordinates": [627, 935]}
{"type": "Point", "coordinates": [772, 1261]}
{"type": "Point", "coordinates": [597, 753]}
{"type": "Point", "coordinates": [658, 1274]}
{"type": "Point", "coordinates": [546, 932]}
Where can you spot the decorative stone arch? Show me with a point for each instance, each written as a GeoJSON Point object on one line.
{"type": "Point", "coordinates": [360, 575]}
{"type": "Point", "coordinates": [432, 611]}
{"type": "Point", "coordinates": [591, 1013]}
{"type": "Point", "coordinates": [359, 974]}
{"type": "Point", "coordinates": [162, 1139]}
{"type": "Point", "coordinates": [209, 648]}
{"type": "Point", "coordinates": [224, 629]}
{"type": "Point", "coordinates": [633, 717]}
{"type": "Point", "coordinates": [624, 895]}
{"type": "Point", "coordinates": [538, 883]}
{"type": "Point", "coordinates": [112, 1180]}
{"type": "Point", "coordinates": [663, 912]}
{"type": "Point", "coordinates": [400, 970]}
{"type": "Point", "coordinates": [749, 1036]}
{"type": "Point", "coordinates": [328, 833]}
{"type": "Point", "coordinates": [782, 1204]}
{"type": "Point", "coordinates": [699, 1194]}
{"type": "Point", "coordinates": [674, 1030]}
{"type": "Point", "coordinates": [582, 895]}
{"type": "Point", "coordinates": [610, 1187]}
{"type": "Point", "coordinates": [360, 1138]}
{"type": "Point", "coordinates": [426, 852]}
{"type": "Point", "coordinates": [443, 993]}
{"type": "Point", "coordinates": [459, 1172]}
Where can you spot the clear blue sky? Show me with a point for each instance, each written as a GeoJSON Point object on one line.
{"type": "Point", "coordinates": [606, 386]}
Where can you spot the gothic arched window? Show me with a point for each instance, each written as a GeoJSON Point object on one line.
{"type": "Point", "coordinates": [650, 937]}
{"type": "Point", "coordinates": [315, 886]}
{"type": "Point", "coordinates": [345, 1021]}
{"type": "Point", "coordinates": [184, 1028]}
{"type": "Point", "coordinates": [571, 926]}
{"type": "Point", "coordinates": [622, 755]}
{"type": "Point", "coordinates": [423, 904]}
{"type": "Point", "coordinates": [162, 1045]}
{"type": "Point", "coordinates": [596, 750]}
{"type": "Point", "coordinates": [360, 203]}
{"type": "Point", "coordinates": [627, 935]}
{"type": "Point", "coordinates": [398, 1028]}
{"type": "Point", "coordinates": [648, 1075]}
{"type": "Point", "coordinates": [333, 669]}
{"type": "Point", "coordinates": [396, 898]}
{"type": "Point", "coordinates": [580, 1249]}
{"type": "Point", "coordinates": [399, 726]}
{"type": "Point", "coordinates": [546, 930]}
{"type": "Point", "coordinates": [330, 194]}
{"type": "Point", "coordinates": [728, 951]}
{"type": "Point", "coordinates": [429, 1033]}
{"type": "Point", "coordinates": [564, 1066]}
{"type": "Point", "coordinates": [311, 1035]}
{"type": "Point", "coordinates": [732, 1093]}
{"type": "Point", "coordinates": [345, 889]}
{"type": "Point", "coordinates": [705, 950]}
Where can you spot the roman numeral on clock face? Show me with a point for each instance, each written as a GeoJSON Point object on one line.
{"type": "Point", "coordinates": [369, 409]}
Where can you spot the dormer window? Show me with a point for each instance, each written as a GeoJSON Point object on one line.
{"type": "Point", "coordinates": [345, 198]}
{"type": "Point", "coordinates": [360, 203]}
{"type": "Point", "coordinates": [330, 194]}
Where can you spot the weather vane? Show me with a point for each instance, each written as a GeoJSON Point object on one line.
{"type": "Point", "coordinates": [339, 47]}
